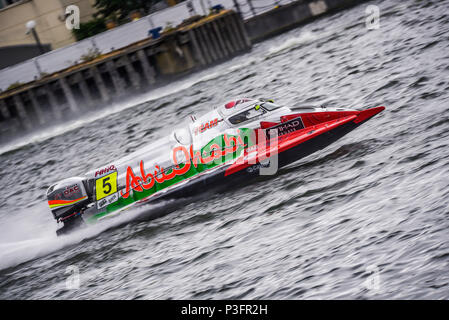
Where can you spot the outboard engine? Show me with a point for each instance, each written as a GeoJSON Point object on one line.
{"type": "Point", "coordinates": [67, 200]}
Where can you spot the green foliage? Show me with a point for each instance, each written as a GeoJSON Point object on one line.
{"type": "Point", "coordinates": [14, 85]}
{"type": "Point", "coordinates": [89, 29]}
{"type": "Point", "coordinates": [168, 27]}
{"type": "Point", "coordinates": [91, 54]}
{"type": "Point", "coordinates": [119, 10]}
{"type": "Point", "coordinates": [115, 10]}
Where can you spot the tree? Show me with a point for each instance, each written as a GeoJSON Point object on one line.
{"type": "Point", "coordinates": [115, 10]}
{"type": "Point", "coordinates": [119, 10]}
{"type": "Point", "coordinates": [89, 29]}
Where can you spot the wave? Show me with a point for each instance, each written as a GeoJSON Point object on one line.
{"type": "Point", "coordinates": [292, 43]}
{"type": "Point", "coordinates": [32, 240]}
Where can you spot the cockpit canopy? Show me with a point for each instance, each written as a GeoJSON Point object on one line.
{"type": "Point", "coordinates": [238, 113]}
{"type": "Point", "coordinates": [244, 110]}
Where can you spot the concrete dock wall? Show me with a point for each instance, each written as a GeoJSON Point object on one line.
{"type": "Point", "coordinates": [146, 64]}
{"type": "Point", "coordinates": [130, 70]}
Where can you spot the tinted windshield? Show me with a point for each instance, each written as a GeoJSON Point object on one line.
{"type": "Point", "coordinates": [270, 106]}
{"type": "Point", "coordinates": [246, 115]}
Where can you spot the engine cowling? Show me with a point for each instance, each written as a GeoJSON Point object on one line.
{"type": "Point", "coordinates": [67, 197]}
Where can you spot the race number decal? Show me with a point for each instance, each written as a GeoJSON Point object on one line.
{"type": "Point", "coordinates": [106, 190]}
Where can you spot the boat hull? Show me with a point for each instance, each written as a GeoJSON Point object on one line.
{"type": "Point", "coordinates": [298, 136]}
{"type": "Point", "coordinates": [230, 176]}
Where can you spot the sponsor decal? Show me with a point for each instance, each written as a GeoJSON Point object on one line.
{"type": "Point", "coordinates": [287, 127]}
{"type": "Point", "coordinates": [207, 125]}
{"type": "Point", "coordinates": [256, 167]}
{"type": "Point", "coordinates": [71, 190]}
{"type": "Point", "coordinates": [107, 200]}
{"type": "Point", "coordinates": [104, 171]}
{"type": "Point", "coordinates": [146, 181]}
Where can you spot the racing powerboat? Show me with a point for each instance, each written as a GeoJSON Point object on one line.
{"type": "Point", "coordinates": [241, 139]}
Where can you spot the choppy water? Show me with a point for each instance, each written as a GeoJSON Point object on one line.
{"type": "Point", "coordinates": [365, 218]}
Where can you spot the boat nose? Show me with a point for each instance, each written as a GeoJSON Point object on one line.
{"type": "Point", "coordinates": [368, 113]}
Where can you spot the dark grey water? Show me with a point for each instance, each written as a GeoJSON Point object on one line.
{"type": "Point", "coordinates": [365, 218]}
